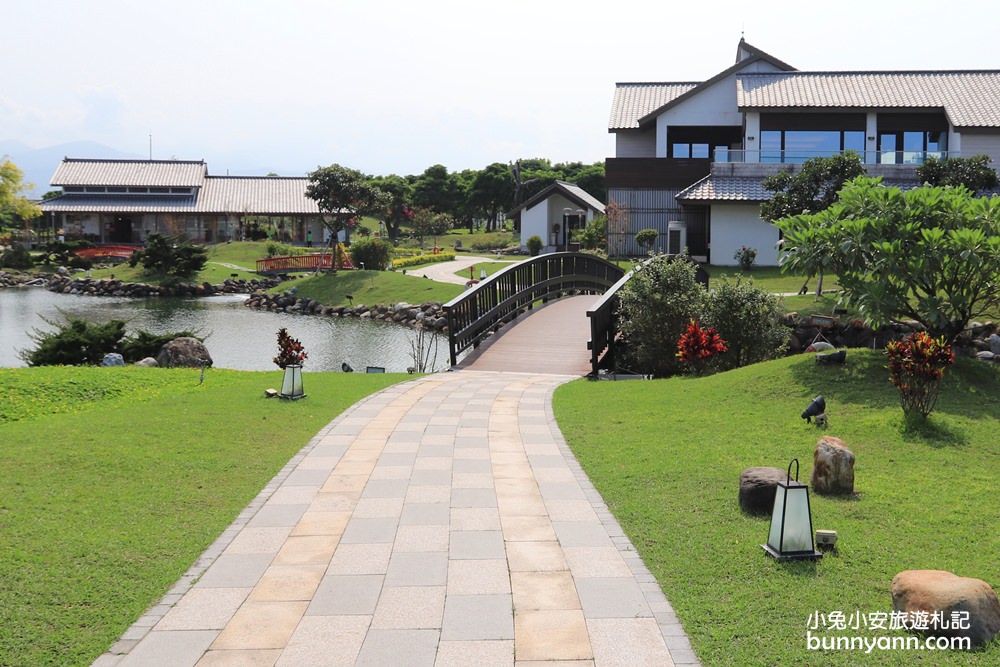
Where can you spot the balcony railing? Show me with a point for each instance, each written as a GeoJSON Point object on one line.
{"type": "Point", "coordinates": [726, 155]}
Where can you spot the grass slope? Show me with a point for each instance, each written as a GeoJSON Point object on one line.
{"type": "Point", "coordinates": [116, 480]}
{"type": "Point", "coordinates": [372, 287]}
{"type": "Point", "coordinates": [667, 455]}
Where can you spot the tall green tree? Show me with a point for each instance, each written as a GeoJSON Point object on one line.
{"type": "Point", "coordinates": [436, 189]}
{"type": "Point", "coordinates": [930, 254]}
{"type": "Point", "coordinates": [15, 207]}
{"type": "Point", "coordinates": [398, 204]}
{"type": "Point", "coordinates": [492, 193]}
{"type": "Point", "coordinates": [427, 222]}
{"type": "Point", "coordinates": [344, 195]}
{"type": "Point", "coordinates": [812, 189]}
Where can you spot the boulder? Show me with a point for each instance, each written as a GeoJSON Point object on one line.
{"type": "Point", "coordinates": [937, 591]}
{"type": "Point", "coordinates": [757, 486]}
{"type": "Point", "coordinates": [994, 341]}
{"type": "Point", "coordinates": [184, 351]}
{"type": "Point", "coordinates": [113, 359]}
{"type": "Point", "coordinates": [149, 362]}
{"type": "Point", "coordinates": [833, 466]}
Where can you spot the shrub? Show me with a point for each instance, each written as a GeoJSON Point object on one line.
{"type": "Point", "coordinates": [75, 343]}
{"type": "Point", "coordinates": [916, 366]}
{"type": "Point", "coordinates": [16, 257]}
{"type": "Point", "coordinates": [745, 256]}
{"type": "Point", "coordinates": [646, 238]}
{"type": "Point", "coordinates": [170, 256]}
{"type": "Point", "coordinates": [534, 245]}
{"type": "Point", "coordinates": [655, 307]}
{"type": "Point", "coordinates": [290, 350]}
{"type": "Point", "coordinates": [144, 344]}
{"type": "Point", "coordinates": [750, 321]}
{"type": "Point", "coordinates": [375, 254]}
{"type": "Point", "coordinates": [275, 249]}
{"type": "Point", "coordinates": [594, 235]}
{"type": "Point", "coordinates": [698, 346]}
{"type": "Point", "coordinates": [416, 260]}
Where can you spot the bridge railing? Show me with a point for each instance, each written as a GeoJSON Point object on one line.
{"type": "Point", "coordinates": [295, 263]}
{"type": "Point", "coordinates": [120, 251]}
{"type": "Point", "coordinates": [480, 311]}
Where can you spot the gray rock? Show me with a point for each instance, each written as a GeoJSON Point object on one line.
{"type": "Point", "coordinates": [757, 486]}
{"type": "Point", "coordinates": [986, 355]}
{"type": "Point", "coordinates": [113, 359]}
{"type": "Point", "coordinates": [149, 362]}
{"type": "Point", "coordinates": [994, 341]}
{"type": "Point", "coordinates": [930, 591]}
{"type": "Point", "coordinates": [833, 466]}
{"type": "Point", "coordinates": [184, 351]}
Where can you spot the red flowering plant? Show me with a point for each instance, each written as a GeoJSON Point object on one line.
{"type": "Point", "coordinates": [290, 350]}
{"type": "Point", "coordinates": [697, 346]}
{"type": "Point", "coordinates": [916, 366]}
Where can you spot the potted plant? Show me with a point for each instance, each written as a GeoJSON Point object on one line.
{"type": "Point", "coordinates": [290, 357]}
{"type": "Point", "coordinates": [745, 256]}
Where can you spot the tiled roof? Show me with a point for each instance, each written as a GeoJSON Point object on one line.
{"type": "Point", "coordinates": [220, 194]}
{"type": "Point", "coordinates": [141, 173]}
{"type": "Point", "coordinates": [74, 203]}
{"type": "Point", "coordinates": [725, 188]}
{"type": "Point", "coordinates": [969, 98]}
{"type": "Point", "coordinates": [635, 100]}
{"type": "Point", "coordinates": [266, 195]}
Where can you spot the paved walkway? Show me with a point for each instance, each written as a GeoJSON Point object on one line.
{"type": "Point", "coordinates": [444, 272]}
{"type": "Point", "coordinates": [442, 521]}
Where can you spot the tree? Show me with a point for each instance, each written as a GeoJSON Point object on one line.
{"type": "Point", "coordinates": [492, 192]}
{"type": "Point", "coordinates": [974, 173]}
{"type": "Point", "coordinates": [15, 207]}
{"type": "Point", "coordinates": [814, 188]}
{"type": "Point", "coordinates": [618, 223]}
{"type": "Point", "coordinates": [929, 254]}
{"type": "Point", "coordinates": [426, 222]}
{"type": "Point", "coordinates": [344, 195]}
{"type": "Point", "coordinates": [398, 204]}
{"type": "Point", "coordinates": [170, 256]}
{"type": "Point", "coordinates": [436, 189]}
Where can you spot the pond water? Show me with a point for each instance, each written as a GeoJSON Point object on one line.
{"type": "Point", "coordinates": [237, 337]}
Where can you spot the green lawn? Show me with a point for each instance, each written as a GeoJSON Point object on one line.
{"type": "Point", "coordinates": [666, 456]}
{"type": "Point", "coordinates": [115, 481]}
{"type": "Point", "coordinates": [371, 287]}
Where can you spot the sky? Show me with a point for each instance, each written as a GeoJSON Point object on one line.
{"type": "Point", "coordinates": [396, 86]}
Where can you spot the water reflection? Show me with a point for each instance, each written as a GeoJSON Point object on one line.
{"type": "Point", "coordinates": [237, 337]}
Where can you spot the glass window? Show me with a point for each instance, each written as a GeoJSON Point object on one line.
{"type": "Point", "coordinates": [854, 141]}
{"type": "Point", "coordinates": [887, 146]}
{"type": "Point", "coordinates": [770, 146]}
{"type": "Point", "coordinates": [699, 150]}
{"type": "Point", "coordinates": [681, 151]}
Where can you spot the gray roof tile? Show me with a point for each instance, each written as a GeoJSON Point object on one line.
{"type": "Point", "coordinates": [969, 98]}
{"type": "Point", "coordinates": [635, 100]}
{"type": "Point", "coordinates": [142, 173]}
{"type": "Point", "coordinates": [264, 195]}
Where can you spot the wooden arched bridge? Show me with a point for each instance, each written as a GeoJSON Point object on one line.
{"type": "Point", "coordinates": [108, 252]}
{"type": "Point", "coordinates": [566, 289]}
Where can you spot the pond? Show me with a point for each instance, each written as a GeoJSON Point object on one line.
{"type": "Point", "coordinates": [237, 337]}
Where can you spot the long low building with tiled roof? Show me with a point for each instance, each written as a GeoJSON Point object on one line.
{"type": "Point", "coordinates": [690, 157]}
{"type": "Point", "coordinates": [123, 201]}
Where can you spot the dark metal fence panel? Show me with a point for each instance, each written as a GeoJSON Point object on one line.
{"type": "Point", "coordinates": [480, 311]}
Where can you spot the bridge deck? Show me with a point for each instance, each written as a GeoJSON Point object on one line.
{"type": "Point", "coordinates": [551, 339]}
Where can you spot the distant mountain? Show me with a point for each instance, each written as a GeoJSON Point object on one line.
{"type": "Point", "coordinates": [39, 164]}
